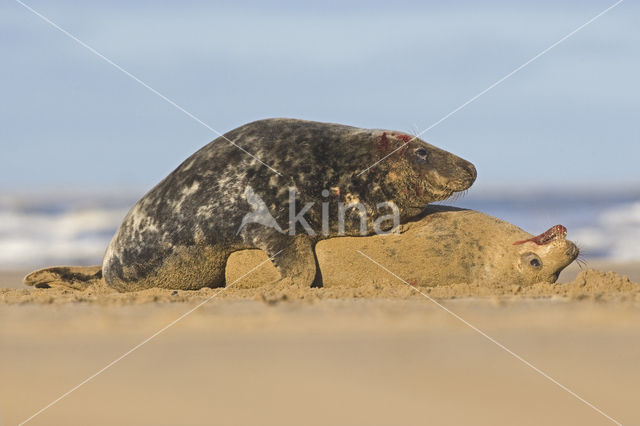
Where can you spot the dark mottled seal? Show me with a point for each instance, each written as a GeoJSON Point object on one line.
{"type": "Point", "coordinates": [180, 234]}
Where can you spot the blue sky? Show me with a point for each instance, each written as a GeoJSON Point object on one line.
{"type": "Point", "coordinates": [70, 120]}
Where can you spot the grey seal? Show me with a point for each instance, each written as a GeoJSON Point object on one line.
{"type": "Point", "coordinates": [220, 200]}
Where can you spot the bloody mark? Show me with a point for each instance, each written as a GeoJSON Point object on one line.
{"type": "Point", "coordinates": [547, 236]}
{"type": "Point", "coordinates": [402, 136]}
{"type": "Point", "coordinates": [383, 143]}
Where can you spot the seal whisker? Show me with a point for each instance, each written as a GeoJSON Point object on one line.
{"type": "Point", "coordinates": [461, 194]}
{"type": "Point", "coordinates": [582, 264]}
{"type": "Point", "coordinates": [583, 255]}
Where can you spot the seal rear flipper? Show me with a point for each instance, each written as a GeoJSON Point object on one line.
{"type": "Point", "coordinates": [76, 277]}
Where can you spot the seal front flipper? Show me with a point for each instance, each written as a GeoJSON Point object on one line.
{"type": "Point", "coordinates": [76, 277]}
{"type": "Point", "coordinates": [296, 259]}
{"type": "Point", "coordinates": [293, 256]}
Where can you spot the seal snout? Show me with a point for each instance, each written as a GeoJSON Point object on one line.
{"type": "Point", "coordinates": [572, 252]}
{"type": "Point", "coordinates": [470, 169]}
{"type": "Point", "coordinates": [461, 174]}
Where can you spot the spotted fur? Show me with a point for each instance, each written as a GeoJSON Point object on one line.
{"type": "Point", "coordinates": [180, 234]}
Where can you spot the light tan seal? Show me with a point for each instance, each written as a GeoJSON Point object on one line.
{"type": "Point", "coordinates": [449, 246]}
{"type": "Point", "coordinates": [445, 246]}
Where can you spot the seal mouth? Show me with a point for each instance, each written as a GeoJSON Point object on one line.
{"type": "Point", "coordinates": [546, 237]}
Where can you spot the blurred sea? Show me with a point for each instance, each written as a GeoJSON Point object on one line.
{"type": "Point", "coordinates": [48, 229]}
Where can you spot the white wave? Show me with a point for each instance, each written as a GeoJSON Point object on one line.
{"type": "Point", "coordinates": [66, 225]}
{"type": "Point", "coordinates": [21, 252]}
{"type": "Point", "coordinates": [616, 234]}
{"type": "Point", "coordinates": [75, 236]}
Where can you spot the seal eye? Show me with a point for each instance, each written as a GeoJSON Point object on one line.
{"type": "Point", "coordinates": [421, 153]}
{"type": "Point", "coordinates": [532, 259]}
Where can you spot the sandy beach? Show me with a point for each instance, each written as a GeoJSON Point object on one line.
{"type": "Point", "coordinates": [345, 356]}
{"type": "Point", "coordinates": [157, 138]}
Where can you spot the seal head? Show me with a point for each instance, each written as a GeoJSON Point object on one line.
{"type": "Point", "coordinates": [415, 173]}
{"type": "Point", "coordinates": [543, 257]}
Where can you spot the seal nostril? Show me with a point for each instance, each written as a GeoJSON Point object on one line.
{"type": "Point", "coordinates": [571, 252]}
{"type": "Point", "coordinates": [471, 169]}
